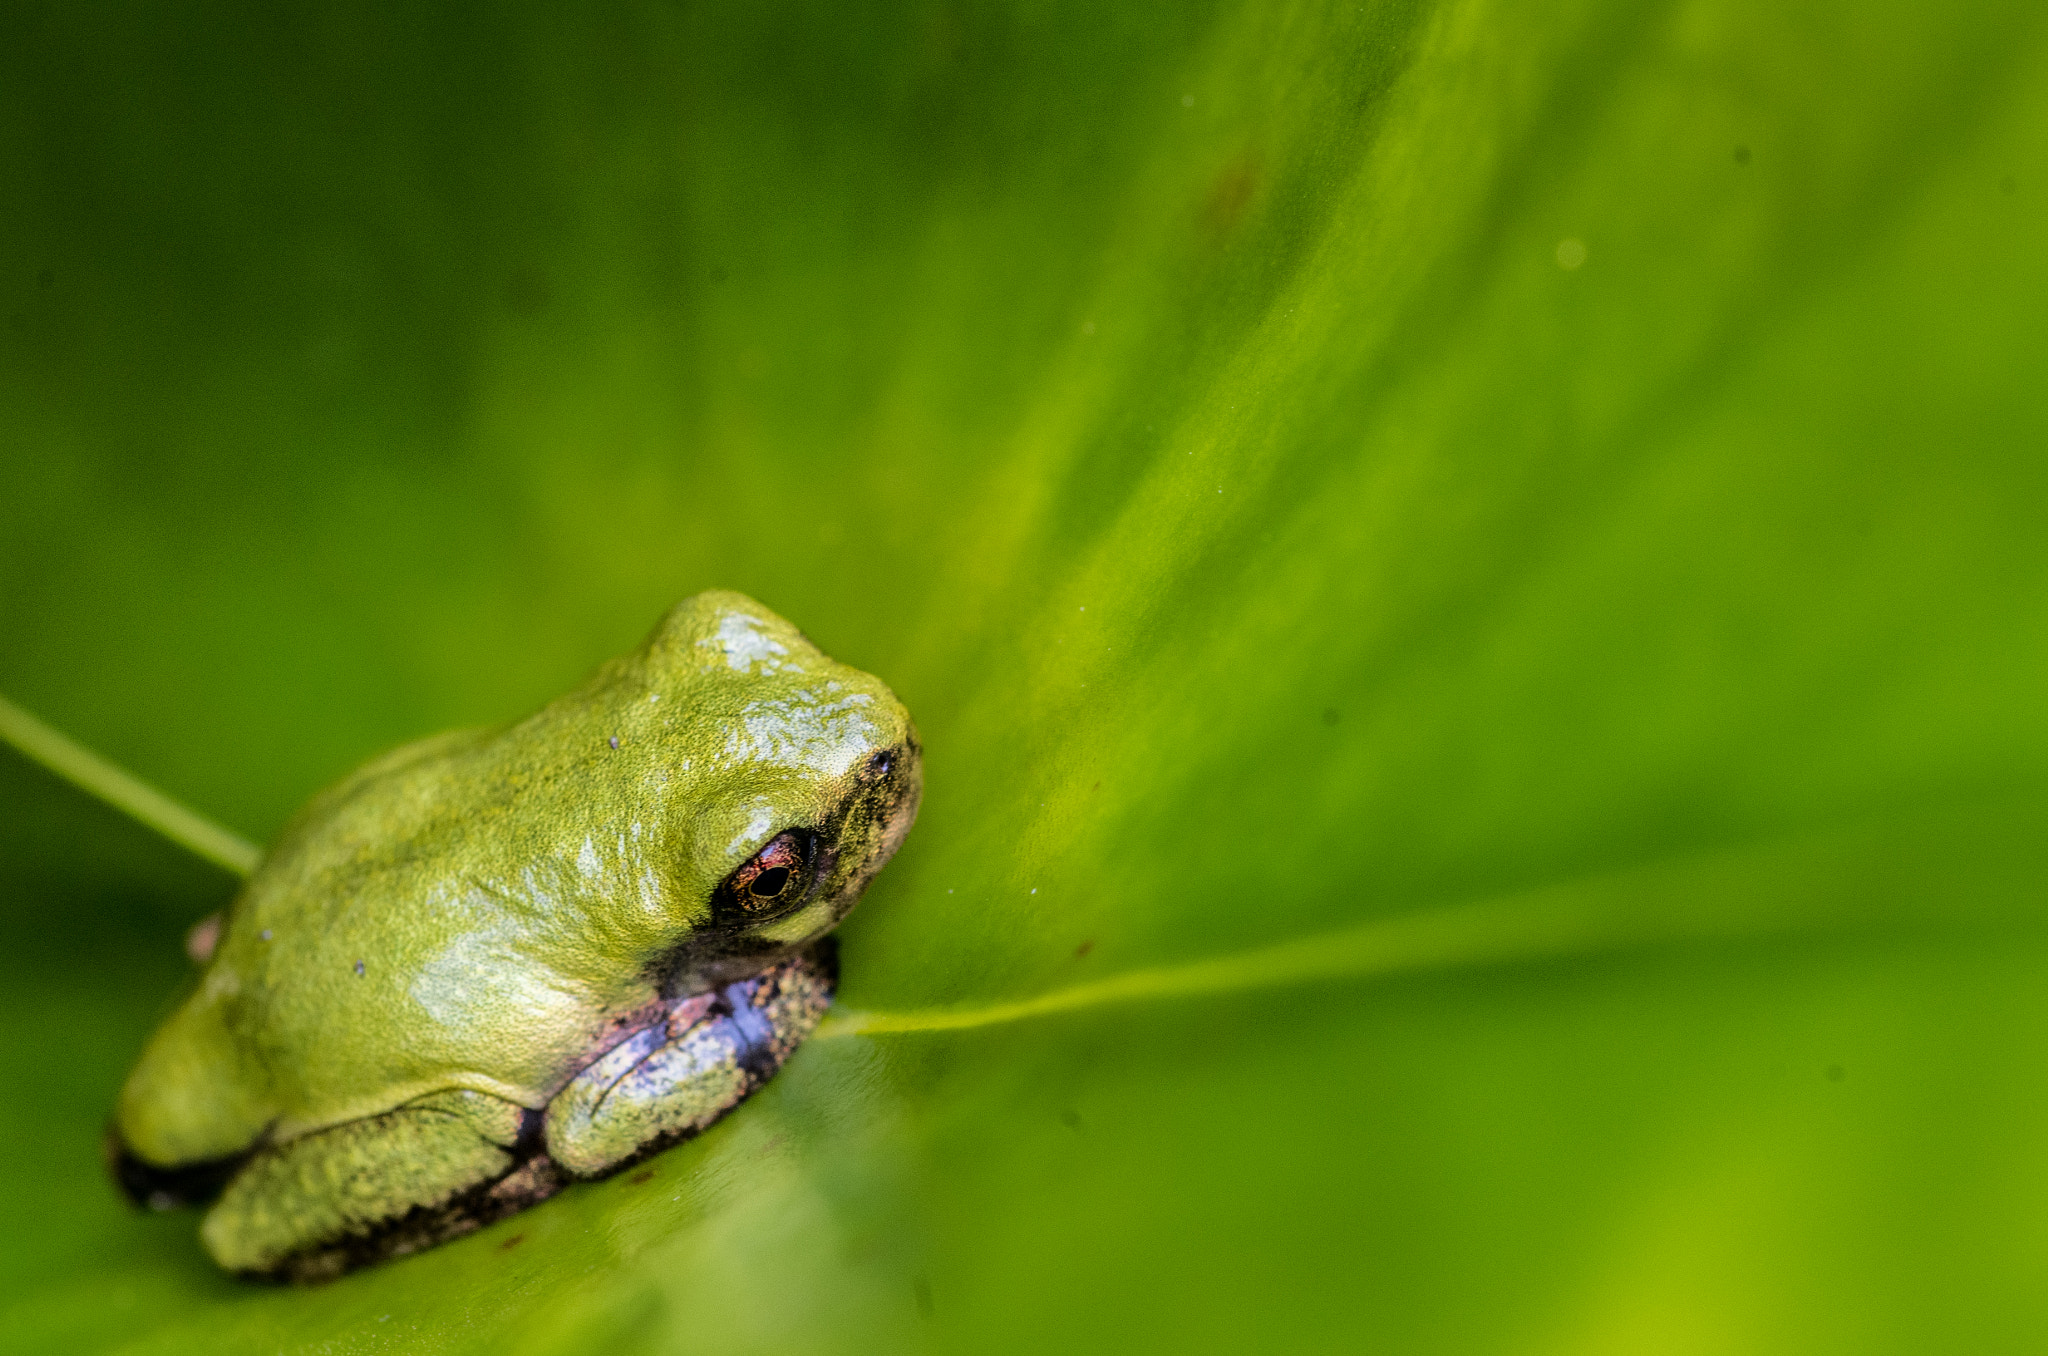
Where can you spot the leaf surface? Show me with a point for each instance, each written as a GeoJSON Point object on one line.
{"type": "Point", "coordinates": [1472, 580]}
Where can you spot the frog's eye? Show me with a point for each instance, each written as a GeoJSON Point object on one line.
{"type": "Point", "coordinates": [766, 885]}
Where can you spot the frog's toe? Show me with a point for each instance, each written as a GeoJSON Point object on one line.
{"type": "Point", "coordinates": [166, 1188]}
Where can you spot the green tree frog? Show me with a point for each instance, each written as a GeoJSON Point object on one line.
{"type": "Point", "coordinates": [493, 963]}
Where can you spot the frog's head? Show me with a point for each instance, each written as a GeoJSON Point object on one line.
{"type": "Point", "coordinates": [803, 778]}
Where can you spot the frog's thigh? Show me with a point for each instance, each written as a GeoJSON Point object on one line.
{"type": "Point", "coordinates": [345, 1181]}
{"type": "Point", "coordinates": [670, 1081]}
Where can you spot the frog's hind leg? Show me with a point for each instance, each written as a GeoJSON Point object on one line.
{"type": "Point", "coordinates": [441, 1166]}
{"type": "Point", "coordinates": [668, 1081]}
{"type": "Point", "coordinates": [427, 1171]}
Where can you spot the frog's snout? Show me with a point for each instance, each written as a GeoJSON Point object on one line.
{"type": "Point", "coordinates": [878, 814]}
{"type": "Point", "coordinates": [897, 773]}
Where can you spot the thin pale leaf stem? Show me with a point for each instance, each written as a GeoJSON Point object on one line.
{"type": "Point", "coordinates": [1712, 898]}
{"type": "Point", "coordinates": [1453, 937]}
{"type": "Point", "coordinates": [125, 792]}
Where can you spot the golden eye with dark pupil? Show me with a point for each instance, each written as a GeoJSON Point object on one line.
{"type": "Point", "coordinates": [771, 876]}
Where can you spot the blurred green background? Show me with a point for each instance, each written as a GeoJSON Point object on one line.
{"type": "Point", "coordinates": [1575, 469]}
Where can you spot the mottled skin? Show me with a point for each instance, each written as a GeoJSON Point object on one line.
{"type": "Point", "coordinates": [494, 961]}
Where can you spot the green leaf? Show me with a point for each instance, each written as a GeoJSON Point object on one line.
{"type": "Point", "coordinates": [1472, 576]}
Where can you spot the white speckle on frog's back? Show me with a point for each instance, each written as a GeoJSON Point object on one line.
{"type": "Point", "coordinates": [825, 737]}
{"type": "Point", "coordinates": [758, 825]}
{"type": "Point", "coordinates": [483, 974]}
{"type": "Point", "coordinates": [740, 640]}
{"type": "Point", "coordinates": [653, 895]}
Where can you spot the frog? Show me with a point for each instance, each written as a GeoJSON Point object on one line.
{"type": "Point", "coordinates": [496, 963]}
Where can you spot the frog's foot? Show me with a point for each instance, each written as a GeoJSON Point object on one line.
{"type": "Point", "coordinates": [159, 1188]}
{"type": "Point", "coordinates": [668, 1081]}
{"type": "Point", "coordinates": [421, 1173]}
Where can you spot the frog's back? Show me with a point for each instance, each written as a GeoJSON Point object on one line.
{"type": "Point", "coordinates": [363, 867]}
{"type": "Point", "coordinates": [403, 942]}
{"type": "Point", "coordinates": [391, 945]}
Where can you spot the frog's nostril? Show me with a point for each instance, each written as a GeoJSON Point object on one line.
{"type": "Point", "coordinates": [881, 763]}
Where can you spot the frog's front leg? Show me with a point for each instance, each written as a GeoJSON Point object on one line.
{"type": "Point", "coordinates": [667, 1081]}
